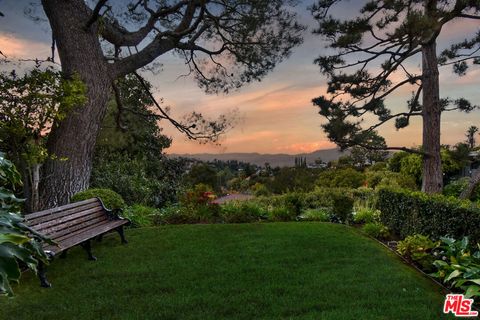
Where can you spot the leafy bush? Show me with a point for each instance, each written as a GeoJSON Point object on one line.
{"type": "Point", "coordinates": [341, 178]}
{"type": "Point", "coordinates": [319, 214]}
{"type": "Point", "coordinates": [173, 215]}
{"type": "Point", "coordinates": [260, 190]}
{"type": "Point", "coordinates": [282, 214]}
{"type": "Point", "coordinates": [242, 211]}
{"type": "Point", "coordinates": [407, 213]}
{"type": "Point", "coordinates": [381, 179]}
{"type": "Point", "coordinates": [342, 207]}
{"type": "Point", "coordinates": [455, 188]}
{"type": "Point", "coordinates": [458, 267]}
{"type": "Point", "coordinates": [366, 215]}
{"type": "Point", "coordinates": [139, 215]}
{"type": "Point", "coordinates": [376, 230]}
{"type": "Point", "coordinates": [419, 249]}
{"type": "Point", "coordinates": [110, 199]}
{"type": "Point", "coordinates": [17, 241]}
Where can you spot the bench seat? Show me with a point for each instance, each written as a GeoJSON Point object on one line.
{"type": "Point", "coordinates": [74, 224]}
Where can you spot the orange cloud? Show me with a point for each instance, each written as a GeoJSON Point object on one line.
{"type": "Point", "coordinates": [21, 48]}
{"type": "Point", "coordinates": [306, 147]}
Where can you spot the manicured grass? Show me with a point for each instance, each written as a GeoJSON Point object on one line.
{"type": "Point", "coordinates": [244, 271]}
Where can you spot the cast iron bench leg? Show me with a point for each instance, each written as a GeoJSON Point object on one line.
{"type": "Point", "coordinates": [63, 255]}
{"type": "Point", "coordinates": [122, 234]}
{"type": "Point", "coordinates": [86, 245]}
{"type": "Point", "coordinates": [42, 276]}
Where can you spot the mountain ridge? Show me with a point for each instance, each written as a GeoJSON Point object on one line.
{"type": "Point", "coordinates": [274, 159]}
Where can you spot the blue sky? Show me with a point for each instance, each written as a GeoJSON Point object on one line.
{"type": "Point", "coordinates": [275, 115]}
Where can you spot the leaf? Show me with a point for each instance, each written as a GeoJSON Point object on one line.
{"type": "Point", "coordinates": [452, 275]}
{"type": "Point", "coordinates": [472, 291]}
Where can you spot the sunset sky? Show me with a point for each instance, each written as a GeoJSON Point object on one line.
{"type": "Point", "coordinates": [275, 115]}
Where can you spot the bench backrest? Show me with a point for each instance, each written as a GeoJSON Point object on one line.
{"type": "Point", "coordinates": [65, 221]}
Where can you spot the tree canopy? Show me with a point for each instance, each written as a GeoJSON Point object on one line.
{"type": "Point", "coordinates": [376, 54]}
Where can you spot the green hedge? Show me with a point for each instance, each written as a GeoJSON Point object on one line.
{"type": "Point", "coordinates": [110, 199]}
{"type": "Point", "coordinates": [407, 213]}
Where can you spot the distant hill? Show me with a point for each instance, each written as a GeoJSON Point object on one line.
{"type": "Point", "coordinates": [275, 160]}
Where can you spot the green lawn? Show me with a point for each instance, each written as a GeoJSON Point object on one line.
{"type": "Point", "coordinates": [244, 271]}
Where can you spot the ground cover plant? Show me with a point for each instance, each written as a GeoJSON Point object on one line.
{"type": "Point", "coordinates": [235, 271]}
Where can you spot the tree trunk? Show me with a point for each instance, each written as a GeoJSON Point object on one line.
{"type": "Point", "coordinates": [72, 140]}
{"type": "Point", "coordinates": [472, 184]}
{"type": "Point", "coordinates": [432, 180]}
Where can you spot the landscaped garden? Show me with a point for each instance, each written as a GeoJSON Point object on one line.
{"type": "Point", "coordinates": [306, 270]}
{"type": "Point", "coordinates": [282, 227]}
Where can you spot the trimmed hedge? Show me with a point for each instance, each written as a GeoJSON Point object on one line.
{"type": "Point", "coordinates": [110, 199]}
{"type": "Point", "coordinates": [407, 213]}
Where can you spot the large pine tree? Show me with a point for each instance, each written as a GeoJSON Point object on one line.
{"type": "Point", "coordinates": [374, 49]}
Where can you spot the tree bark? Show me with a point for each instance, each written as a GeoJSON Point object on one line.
{"type": "Point", "coordinates": [72, 140]}
{"type": "Point", "coordinates": [432, 180]}
{"type": "Point", "coordinates": [472, 184]}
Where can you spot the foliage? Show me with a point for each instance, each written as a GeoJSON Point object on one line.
{"type": "Point", "coordinates": [376, 230]}
{"type": "Point", "coordinates": [342, 207]}
{"type": "Point", "coordinates": [128, 154]}
{"type": "Point", "coordinates": [419, 249]}
{"type": "Point", "coordinates": [242, 211]}
{"type": "Point", "coordinates": [385, 178]}
{"type": "Point", "coordinates": [17, 241]}
{"type": "Point", "coordinates": [319, 214]}
{"type": "Point", "coordinates": [458, 266]}
{"type": "Point", "coordinates": [366, 215]}
{"type": "Point", "coordinates": [411, 166]}
{"type": "Point", "coordinates": [362, 157]}
{"type": "Point", "coordinates": [260, 190]}
{"type": "Point", "coordinates": [29, 105]}
{"type": "Point", "coordinates": [341, 178]}
{"type": "Point", "coordinates": [368, 50]}
{"type": "Point", "coordinates": [202, 173]}
{"type": "Point", "coordinates": [293, 179]}
{"type": "Point", "coordinates": [407, 213]}
{"type": "Point", "coordinates": [139, 215]}
{"type": "Point", "coordinates": [282, 213]}
{"type": "Point", "coordinates": [110, 199]}
{"type": "Point", "coordinates": [455, 188]}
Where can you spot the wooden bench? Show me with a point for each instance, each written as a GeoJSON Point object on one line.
{"type": "Point", "coordinates": [74, 224]}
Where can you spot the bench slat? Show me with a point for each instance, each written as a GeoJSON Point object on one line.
{"type": "Point", "coordinates": [65, 233]}
{"type": "Point", "coordinates": [85, 229]}
{"type": "Point", "coordinates": [60, 214]}
{"type": "Point", "coordinates": [74, 224]}
{"type": "Point", "coordinates": [45, 227]}
{"type": "Point", "coordinates": [61, 208]}
{"type": "Point", "coordinates": [89, 234]}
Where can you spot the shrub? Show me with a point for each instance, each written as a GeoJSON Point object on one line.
{"type": "Point", "coordinates": [407, 213]}
{"type": "Point", "coordinates": [110, 199]}
{"type": "Point", "coordinates": [341, 178]}
{"type": "Point", "coordinates": [342, 207]}
{"type": "Point", "coordinates": [260, 190]}
{"type": "Point", "coordinates": [282, 214]}
{"type": "Point", "coordinates": [380, 179]}
{"type": "Point", "coordinates": [376, 230]}
{"type": "Point", "coordinates": [242, 211]}
{"type": "Point", "coordinates": [17, 242]}
{"type": "Point", "coordinates": [418, 248]}
{"type": "Point", "coordinates": [319, 214]}
{"type": "Point", "coordinates": [366, 215]}
{"type": "Point", "coordinates": [455, 188]}
{"type": "Point", "coordinates": [139, 215]}
{"type": "Point", "coordinates": [174, 214]}
{"type": "Point", "coordinates": [458, 267]}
